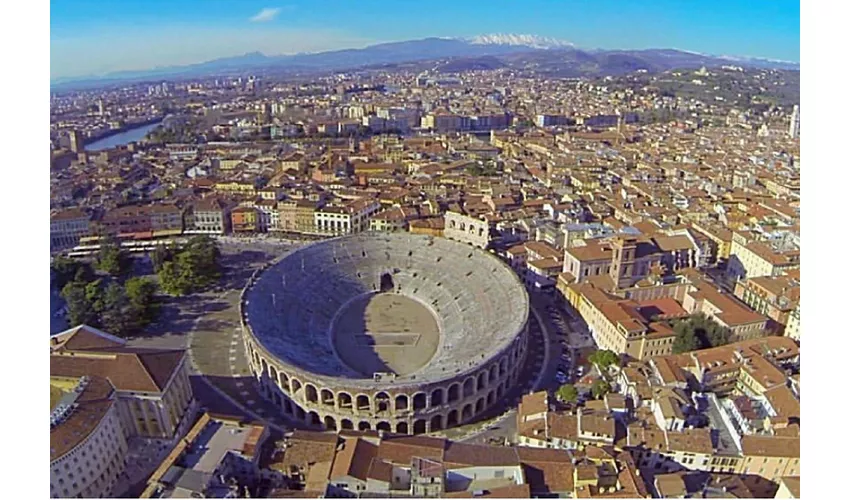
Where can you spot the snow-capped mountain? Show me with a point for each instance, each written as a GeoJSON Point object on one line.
{"type": "Point", "coordinates": [533, 41]}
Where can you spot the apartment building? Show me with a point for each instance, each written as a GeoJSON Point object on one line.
{"type": "Point", "coordinates": [144, 221]}
{"type": "Point", "coordinates": [104, 393]}
{"type": "Point", "coordinates": [244, 219]}
{"type": "Point", "coordinates": [152, 386]}
{"type": "Point", "coordinates": [626, 326]}
{"type": "Point", "coordinates": [67, 227]}
{"type": "Point", "coordinates": [624, 259]}
{"type": "Point", "coordinates": [350, 218]}
{"type": "Point", "coordinates": [754, 259]}
{"type": "Point", "coordinates": [268, 216]}
{"type": "Point", "coordinates": [88, 447]}
{"type": "Point", "coordinates": [209, 216]}
{"type": "Point", "coordinates": [725, 309]}
{"type": "Point", "coordinates": [776, 297]}
{"type": "Point", "coordinates": [218, 458]}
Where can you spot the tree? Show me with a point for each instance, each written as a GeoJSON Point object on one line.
{"type": "Point", "coordinates": [80, 309]}
{"type": "Point", "coordinates": [604, 358]}
{"type": "Point", "coordinates": [699, 332]}
{"type": "Point", "coordinates": [116, 314]}
{"type": "Point", "coordinates": [686, 341]}
{"type": "Point", "coordinates": [190, 268]}
{"type": "Point", "coordinates": [600, 388]}
{"type": "Point", "coordinates": [160, 255]}
{"type": "Point", "coordinates": [141, 293]}
{"type": "Point", "coordinates": [112, 259]}
{"type": "Point", "coordinates": [171, 280]}
{"type": "Point", "coordinates": [567, 393]}
{"type": "Point", "coordinates": [66, 270]}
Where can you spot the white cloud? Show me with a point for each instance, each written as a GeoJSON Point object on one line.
{"type": "Point", "coordinates": [265, 15]}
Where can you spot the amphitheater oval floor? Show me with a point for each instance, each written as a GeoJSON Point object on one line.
{"type": "Point", "coordinates": [385, 333]}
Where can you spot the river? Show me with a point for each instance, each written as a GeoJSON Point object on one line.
{"type": "Point", "coordinates": [131, 135]}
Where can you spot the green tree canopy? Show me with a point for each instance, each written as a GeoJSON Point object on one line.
{"type": "Point", "coordinates": [105, 303]}
{"type": "Point", "coordinates": [141, 293]}
{"type": "Point", "coordinates": [193, 267]}
{"type": "Point", "coordinates": [600, 388]}
{"type": "Point", "coordinates": [112, 259]}
{"type": "Point", "coordinates": [80, 308]}
{"type": "Point", "coordinates": [567, 393]}
{"type": "Point", "coordinates": [604, 358]}
{"type": "Point", "coordinates": [66, 269]}
{"type": "Point", "coordinates": [699, 332]}
{"type": "Point", "coordinates": [686, 341]}
{"type": "Point", "coordinates": [116, 313]}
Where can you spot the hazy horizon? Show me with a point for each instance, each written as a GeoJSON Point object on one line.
{"type": "Point", "coordinates": [100, 37]}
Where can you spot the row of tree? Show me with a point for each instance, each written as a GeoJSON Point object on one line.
{"type": "Point", "coordinates": [568, 393]}
{"type": "Point", "coordinates": [122, 305]}
{"type": "Point", "coordinates": [119, 308]}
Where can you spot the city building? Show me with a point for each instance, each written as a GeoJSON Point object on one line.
{"type": "Point", "coordinates": [67, 227]}
{"type": "Point", "coordinates": [210, 216]}
{"type": "Point", "coordinates": [467, 229]}
{"type": "Point", "coordinates": [218, 458]}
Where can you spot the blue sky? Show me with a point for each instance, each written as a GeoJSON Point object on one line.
{"type": "Point", "coordinates": [91, 37]}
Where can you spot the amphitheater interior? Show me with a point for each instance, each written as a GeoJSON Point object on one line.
{"type": "Point", "coordinates": [395, 332]}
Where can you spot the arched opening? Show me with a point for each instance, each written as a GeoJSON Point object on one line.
{"type": "Point", "coordinates": [482, 381]}
{"type": "Point", "coordinates": [436, 397]}
{"type": "Point", "coordinates": [503, 365]}
{"type": "Point", "coordinates": [312, 395]}
{"type": "Point", "coordinates": [420, 401]}
{"type": "Point", "coordinates": [454, 393]}
{"type": "Point", "coordinates": [330, 423]}
{"type": "Point", "coordinates": [468, 387]}
{"type": "Point", "coordinates": [387, 284]}
{"type": "Point", "coordinates": [494, 373]}
{"type": "Point", "coordinates": [419, 427]}
{"type": "Point", "coordinates": [383, 426]}
{"type": "Point", "coordinates": [327, 397]}
{"type": "Point", "coordinates": [437, 423]}
{"type": "Point", "coordinates": [382, 401]}
{"type": "Point", "coordinates": [467, 413]}
{"type": "Point", "coordinates": [491, 397]}
{"type": "Point", "coordinates": [345, 400]}
{"type": "Point", "coordinates": [313, 418]}
{"type": "Point", "coordinates": [296, 386]}
{"type": "Point", "coordinates": [284, 382]}
{"type": "Point", "coordinates": [451, 419]}
{"type": "Point", "coordinates": [273, 373]}
{"type": "Point", "coordinates": [401, 402]}
{"type": "Point", "coordinates": [499, 391]}
{"type": "Point", "coordinates": [363, 402]}
{"type": "Point", "coordinates": [479, 406]}
{"type": "Point", "coordinates": [346, 424]}
{"type": "Point", "coordinates": [287, 407]}
{"type": "Point", "coordinates": [401, 428]}
{"type": "Point", "coordinates": [364, 426]}
{"type": "Point", "coordinates": [265, 367]}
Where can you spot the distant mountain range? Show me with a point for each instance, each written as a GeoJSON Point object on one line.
{"type": "Point", "coordinates": [551, 56]}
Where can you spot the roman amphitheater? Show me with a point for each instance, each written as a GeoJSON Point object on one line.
{"type": "Point", "coordinates": [394, 332]}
